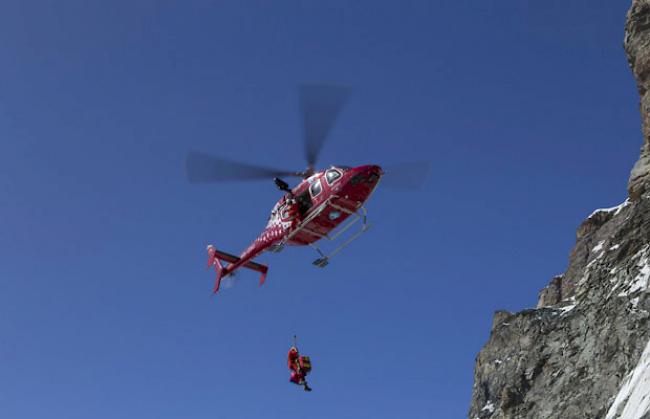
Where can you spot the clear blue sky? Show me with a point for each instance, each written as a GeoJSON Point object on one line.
{"type": "Point", "coordinates": [528, 111]}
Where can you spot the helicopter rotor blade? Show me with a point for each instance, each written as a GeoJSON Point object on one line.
{"type": "Point", "coordinates": [319, 107]}
{"type": "Point", "coordinates": [408, 176]}
{"type": "Point", "coordinates": [205, 168]}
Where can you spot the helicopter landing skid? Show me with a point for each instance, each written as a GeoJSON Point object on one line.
{"type": "Point", "coordinates": [276, 248]}
{"type": "Point", "coordinates": [354, 217]}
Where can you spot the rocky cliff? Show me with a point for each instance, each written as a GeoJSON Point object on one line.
{"type": "Point", "coordinates": [637, 48]}
{"type": "Point", "coordinates": [584, 352]}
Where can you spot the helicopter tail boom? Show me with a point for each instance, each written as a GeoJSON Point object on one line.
{"type": "Point", "coordinates": [215, 257]}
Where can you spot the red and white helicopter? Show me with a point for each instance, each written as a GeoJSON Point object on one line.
{"type": "Point", "coordinates": [318, 207]}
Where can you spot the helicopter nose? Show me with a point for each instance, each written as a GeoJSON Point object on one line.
{"type": "Point", "coordinates": [369, 174]}
{"type": "Point", "coordinates": [373, 173]}
{"type": "Point", "coordinates": [373, 168]}
{"type": "Point", "coordinates": [370, 170]}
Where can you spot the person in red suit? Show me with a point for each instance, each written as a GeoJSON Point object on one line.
{"type": "Point", "coordinates": [293, 212]}
{"type": "Point", "coordinates": [297, 374]}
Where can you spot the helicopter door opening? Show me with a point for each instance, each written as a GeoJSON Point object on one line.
{"type": "Point", "coordinates": [304, 201]}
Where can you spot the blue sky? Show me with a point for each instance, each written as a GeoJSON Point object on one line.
{"type": "Point", "coordinates": [527, 110]}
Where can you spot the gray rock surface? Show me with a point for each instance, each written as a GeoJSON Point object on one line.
{"type": "Point", "coordinates": [572, 355]}
{"type": "Point", "coordinates": [568, 357]}
{"type": "Point", "coordinates": [637, 48]}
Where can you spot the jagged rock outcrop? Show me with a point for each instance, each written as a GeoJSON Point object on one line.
{"type": "Point", "coordinates": [637, 48]}
{"type": "Point", "coordinates": [584, 352]}
{"type": "Point", "coordinates": [569, 357]}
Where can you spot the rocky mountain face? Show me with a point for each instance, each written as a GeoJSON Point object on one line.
{"type": "Point", "coordinates": [584, 352]}
{"type": "Point", "coordinates": [637, 48]}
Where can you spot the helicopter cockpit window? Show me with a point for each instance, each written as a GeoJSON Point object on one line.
{"type": "Point", "coordinates": [315, 188]}
{"type": "Point", "coordinates": [332, 176]}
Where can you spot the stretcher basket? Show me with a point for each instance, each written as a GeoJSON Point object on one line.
{"type": "Point", "coordinates": [305, 363]}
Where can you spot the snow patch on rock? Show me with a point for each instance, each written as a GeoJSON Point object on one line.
{"type": "Point", "coordinates": [489, 406]}
{"type": "Point", "coordinates": [598, 247]}
{"type": "Point", "coordinates": [633, 398]}
{"type": "Point", "coordinates": [641, 281]}
{"type": "Point", "coordinates": [615, 209]}
{"type": "Point", "coordinates": [566, 309]}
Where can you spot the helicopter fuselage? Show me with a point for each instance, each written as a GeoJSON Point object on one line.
{"type": "Point", "coordinates": [313, 209]}
{"type": "Point", "coordinates": [343, 196]}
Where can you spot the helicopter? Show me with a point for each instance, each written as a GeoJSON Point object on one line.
{"type": "Point", "coordinates": [323, 205]}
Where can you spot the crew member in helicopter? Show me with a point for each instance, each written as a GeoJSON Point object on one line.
{"type": "Point", "coordinates": [293, 211]}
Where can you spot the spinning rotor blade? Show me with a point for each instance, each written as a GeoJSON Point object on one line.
{"type": "Point", "coordinates": [319, 107]}
{"type": "Point", "coordinates": [411, 176]}
{"type": "Point", "coordinates": [204, 168]}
